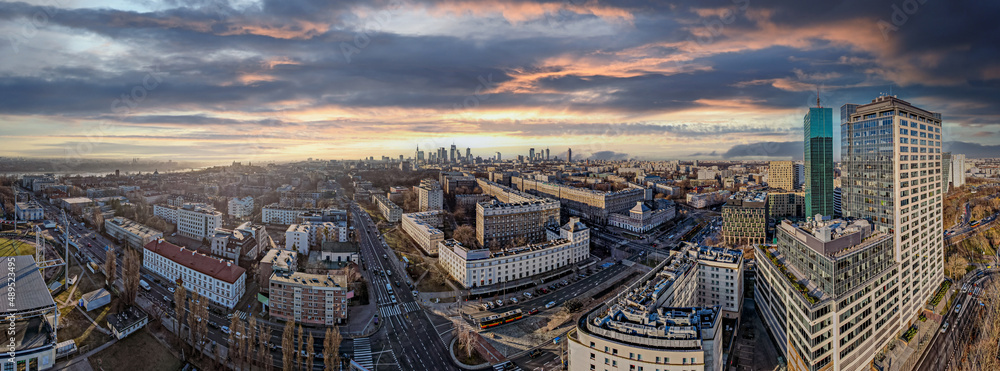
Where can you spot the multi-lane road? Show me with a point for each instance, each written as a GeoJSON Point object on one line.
{"type": "Point", "coordinates": [409, 339]}
{"type": "Point", "coordinates": [946, 345]}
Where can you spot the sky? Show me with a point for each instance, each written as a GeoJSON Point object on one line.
{"type": "Point", "coordinates": [277, 80]}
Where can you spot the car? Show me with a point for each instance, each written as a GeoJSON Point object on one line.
{"type": "Point", "coordinates": [89, 245]}
{"type": "Point", "coordinates": [489, 305]}
{"type": "Point", "coordinates": [550, 305]}
{"type": "Point", "coordinates": [393, 298]}
{"type": "Point", "coordinates": [957, 307]}
{"type": "Point", "coordinates": [527, 295]}
{"type": "Point", "coordinates": [168, 299]}
{"type": "Point", "coordinates": [384, 256]}
{"type": "Point", "coordinates": [533, 311]}
{"type": "Point", "coordinates": [513, 300]}
{"type": "Point", "coordinates": [486, 306]}
{"type": "Point", "coordinates": [944, 327]}
{"type": "Point", "coordinates": [229, 316]}
{"type": "Point", "coordinates": [414, 292]}
{"type": "Point", "coordinates": [396, 282]}
{"type": "Point", "coordinates": [225, 330]}
{"type": "Point", "coordinates": [534, 353]}
{"type": "Point", "coordinates": [171, 289]}
{"type": "Point", "coordinates": [499, 302]}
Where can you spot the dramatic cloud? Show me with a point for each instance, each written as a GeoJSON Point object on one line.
{"type": "Point", "coordinates": [348, 79]}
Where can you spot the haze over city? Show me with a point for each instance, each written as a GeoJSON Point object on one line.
{"type": "Point", "coordinates": [285, 80]}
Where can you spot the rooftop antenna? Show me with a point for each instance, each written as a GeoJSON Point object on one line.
{"type": "Point", "coordinates": [817, 97]}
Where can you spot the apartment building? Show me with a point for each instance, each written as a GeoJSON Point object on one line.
{"type": "Point", "coordinates": [389, 210]}
{"type": "Point", "coordinates": [309, 299]}
{"type": "Point", "coordinates": [166, 212]}
{"type": "Point", "coordinates": [641, 218]}
{"type": "Point", "coordinates": [130, 232]}
{"type": "Point", "coordinates": [219, 280]}
{"type": "Point", "coordinates": [198, 220]}
{"type": "Point", "coordinates": [652, 325]}
{"type": "Point", "coordinates": [481, 267]}
{"type": "Point", "coordinates": [784, 204]}
{"type": "Point", "coordinates": [309, 236]}
{"type": "Point", "coordinates": [594, 206]}
{"type": "Point", "coordinates": [782, 175]}
{"type": "Point", "coordinates": [234, 244]}
{"type": "Point", "coordinates": [469, 201]}
{"type": "Point", "coordinates": [501, 224]}
{"type": "Point", "coordinates": [744, 218]}
{"type": "Point", "coordinates": [430, 196]}
{"type": "Point", "coordinates": [720, 278]}
{"type": "Point", "coordinates": [891, 175]}
{"type": "Point", "coordinates": [280, 261]}
{"type": "Point", "coordinates": [829, 293]}
{"type": "Point", "coordinates": [240, 207]}
{"type": "Point", "coordinates": [504, 193]}
{"type": "Point", "coordinates": [703, 200]}
{"type": "Point", "coordinates": [423, 227]}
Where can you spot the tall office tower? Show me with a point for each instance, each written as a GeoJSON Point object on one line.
{"type": "Point", "coordinates": [818, 127]}
{"type": "Point", "coordinates": [946, 173]}
{"type": "Point", "coordinates": [781, 174]}
{"type": "Point", "coordinates": [957, 170]}
{"type": "Point", "coordinates": [498, 156]}
{"type": "Point", "coordinates": [546, 154]}
{"type": "Point", "coordinates": [800, 175]}
{"type": "Point", "coordinates": [531, 154]}
{"type": "Point", "coordinates": [468, 154]}
{"type": "Point", "coordinates": [891, 175]}
{"type": "Point", "coordinates": [569, 156]}
{"type": "Point", "coordinates": [838, 202]}
{"type": "Point", "coordinates": [454, 153]}
{"type": "Point", "coordinates": [442, 155]}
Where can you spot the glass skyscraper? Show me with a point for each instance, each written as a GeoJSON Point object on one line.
{"type": "Point", "coordinates": [818, 127]}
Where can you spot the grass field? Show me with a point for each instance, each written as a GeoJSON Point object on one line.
{"type": "Point", "coordinates": [139, 351]}
{"type": "Point", "coordinates": [13, 248]}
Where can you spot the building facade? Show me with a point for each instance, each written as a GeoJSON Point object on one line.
{"type": "Point", "coordinates": [430, 196]}
{"type": "Point", "coordinates": [30, 210]}
{"type": "Point", "coordinates": [781, 174]}
{"type": "Point", "coordinates": [591, 205]}
{"type": "Point", "coordinates": [891, 176]}
{"type": "Point", "coordinates": [309, 236]}
{"type": "Point", "coordinates": [782, 204]}
{"type": "Point", "coordinates": [423, 227]}
{"type": "Point", "coordinates": [166, 212]}
{"type": "Point", "coordinates": [219, 280]}
{"type": "Point", "coordinates": [744, 218]}
{"type": "Point", "coordinates": [829, 292]}
{"type": "Point", "coordinates": [198, 220]}
{"type": "Point", "coordinates": [390, 211]}
{"type": "Point", "coordinates": [501, 224]}
{"type": "Point", "coordinates": [642, 219]}
{"type": "Point", "coordinates": [818, 127]}
{"type": "Point", "coordinates": [131, 233]}
{"type": "Point", "coordinates": [481, 267]}
{"type": "Point", "coordinates": [240, 207]}
{"type": "Point", "coordinates": [309, 299]}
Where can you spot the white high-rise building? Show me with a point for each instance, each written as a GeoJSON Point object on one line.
{"type": "Point", "coordinates": [430, 196]}
{"type": "Point", "coordinates": [891, 176]}
{"type": "Point", "coordinates": [240, 207]}
{"type": "Point", "coordinates": [957, 170]}
{"type": "Point", "coordinates": [198, 220]}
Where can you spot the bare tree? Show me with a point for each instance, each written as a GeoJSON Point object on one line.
{"type": "Point", "coordinates": [131, 276]}
{"type": "Point", "coordinates": [466, 235]}
{"type": "Point", "coordinates": [192, 317]}
{"type": "Point", "coordinates": [235, 353]}
{"type": "Point", "coordinates": [251, 334]}
{"type": "Point", "coordinates": [288, 346]}
{"type": "Point", "coordinates": [300, 346]}
{"type": "Point", "coordinates": [202, 328]}
{"type": "Point", "coordinates": [268, 361]}
{"type": "Point", "coordinates": [310, 349]}
{"type": "Point", "coordinates": [352, 274]}
{"type": "Point", "coordinates": [180, 299]}
{"type": "Point", "coordinates": [466, 336]}
{"type": "Point", "coordinates": [110, 266]}
{"type": "Point", "coordinates": [331, 348]}
{"type": "Point", "coordinates": [264, 335]}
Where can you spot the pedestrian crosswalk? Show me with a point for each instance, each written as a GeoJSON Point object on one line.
{"type": "Point", "coordinates": [241, 314]}
{"type": "Point", "coordinates": [389, 310]}
{"type": "Point", "coordinates": [410, 307]}
{"type": "Point", "coordinates": [363, 353]}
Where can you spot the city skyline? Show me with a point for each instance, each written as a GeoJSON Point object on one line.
{"type": "Point", "coordinates": [250, 81]}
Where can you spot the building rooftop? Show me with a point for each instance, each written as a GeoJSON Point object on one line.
{"type": "Point", "coordinates": [220, 269]}
{"type": "Point", "coordinates": [127, 318]}
{"type": "Point", "coordinates": [340, 247]}
{"type": "Point", "coordinates": [280, 258]}
{"type": "Point", "coordinates": [133, 227]}
{"type": "Point", "coordinates": [315, 280]}
{"type": "Point", "coordinates": [31, 291]}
